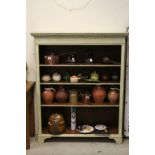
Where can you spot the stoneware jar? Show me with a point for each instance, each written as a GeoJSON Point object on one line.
{"type": "Point", "coordinates": [115, 76]}
{"type": "Point", "coordinates": [73, 96]}
{"type": "Point", "coordinates": [61, 95]}
{"type": "Point", "coordinates": [98, 94]}
{"type": "Point", "coordinates": [56, 124]}
{"type": "Point", "coordinates": [48, 95]}
{"type": "Point", "coordinates": [113, 95]}
{"type": "Point", "coordinates": [56, 77]}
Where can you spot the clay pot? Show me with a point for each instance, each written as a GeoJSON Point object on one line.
{"type": "Point", "coordinates": [86, 97]}
{"type": "Point", "coordinates": [115, 76]}
{"type": "Point", "coordinates": [48, 95]}
{"type": "Point", "coordinates": [98, 94]}
{"type": "Point", "coordinates": [56, 124]}
{"type": "Point", "coordinates": [61, 95]}
{"type": "Point", "coordinates": [113, 95]}
{"type": "Point", "coordinates": [74, 79]}
{"type": "Point", "coordinates": [105, 77]}
{"type": "Point", "coordinates": [51, 59]}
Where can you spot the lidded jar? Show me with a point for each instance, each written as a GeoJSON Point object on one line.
{"type": "Point", "coordinates": [73, 96]}
{"type": "Point", "coordinates": [113, 95]}
{"type": "Point", "coordinates": [48, 95]}
{"type": "Point", "coordinates": [56, 124]}
{"type": "Point", "coordinates": [61, 94]}
{"type": "Point", "coordinates": [99, 94]}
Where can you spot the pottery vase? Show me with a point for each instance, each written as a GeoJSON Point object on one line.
{"type": "Point", "coordinates": [99, 94]}
{"type": "Point", "coordinates": [113, 95]}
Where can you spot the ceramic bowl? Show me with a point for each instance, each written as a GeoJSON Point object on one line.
{"type": "Point", "coordinates": [74, 79]}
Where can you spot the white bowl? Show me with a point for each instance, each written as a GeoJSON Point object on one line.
{"type": "Point", "coordinates": [46, 78]}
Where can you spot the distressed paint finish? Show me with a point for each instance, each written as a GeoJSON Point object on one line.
{"type": "Point", "coordinates": [79, 39]}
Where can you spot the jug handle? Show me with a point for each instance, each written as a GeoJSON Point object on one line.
{"type": "Point", "coordinates": [53, 90]}
{"type": "Point", "coordinates": [49, 123]}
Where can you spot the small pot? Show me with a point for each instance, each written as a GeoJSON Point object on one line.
{"type": "Point", "coordinates": [115, 76]}
{"type": "Point", "coordinates": [46, 78]}
{"type": "Point", "coordinates": [74, 79]}
{"type": "Point", "coordinates": [113, 95]}
{"type": "Point", "coordinates": [51, 59]}
{"type": "Point", "coordinates": [56, 77]}
{"type": "Point", "coordinates": [105, 77]}
{"type": "Point", "coordinates": [86, 97]}
{"type": "Point", "coordinates": [66, 77]}
{"type": "Point", "coordinates": [71, 59]}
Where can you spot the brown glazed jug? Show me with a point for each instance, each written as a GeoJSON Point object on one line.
{"type": "Point", "coordinates": [48, 95]}
{"type": "Point", "coordinates": [98, 94]}
{"type": "Point", "coordinates": [86, 97]}
{"type": "Point", "coordinates": [56, 124]}
{"type": "Point", "coordinates": [61, 95]}
{"type": "Point", "coordinates": [113, 95]}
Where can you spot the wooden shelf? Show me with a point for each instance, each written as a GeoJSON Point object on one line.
{"type": "Point", "coordinates": [80, 65]}
{"type": "Point", "coordinates": [80, 105]}
{"type": "Point", "coordinates": [81, 83]}
{"type": "Point", "coordinates": [69, 133]}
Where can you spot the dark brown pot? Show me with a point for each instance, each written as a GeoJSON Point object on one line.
{"type": "Point", "coordinates": [98, 94]}
{"type": "Point", "coordinates": [48, 95]}
{"type": "Point", "coordinates": [51, 59]}
{"type": "Point", "coordinates": [56, 124]}
{"type": "Point", "coordinates": [86, 97]}
{"type": "Point", "coordinates": [61, 95]}
{"type": "Point", "coordinates": [113, 95]}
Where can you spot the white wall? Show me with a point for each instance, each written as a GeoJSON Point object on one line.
{"type": "Point", "coordinates": [99, 16]}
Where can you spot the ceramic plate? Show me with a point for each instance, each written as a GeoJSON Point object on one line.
{"type": "Point", "coordinates": [85, 129]}
{"type": "Point", "coordinates": [100, 127]}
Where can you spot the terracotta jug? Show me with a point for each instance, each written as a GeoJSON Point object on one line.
{"type": "Point", "coordinates": [113, 95]}
{"type": "Point", "coordinates": [98, 94]}
{"type": "Point", "coordinates": [61, 95]}
{"type": "Point", "coordinates": [48, 95]}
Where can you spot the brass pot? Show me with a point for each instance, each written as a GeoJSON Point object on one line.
{"type": "Point", "coordinates": [56, 124]}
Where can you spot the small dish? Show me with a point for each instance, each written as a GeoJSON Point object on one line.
{"type": "Point", "coordinates": [100, 127]}
{"type": "Point", "coordinates": [85, 129]}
